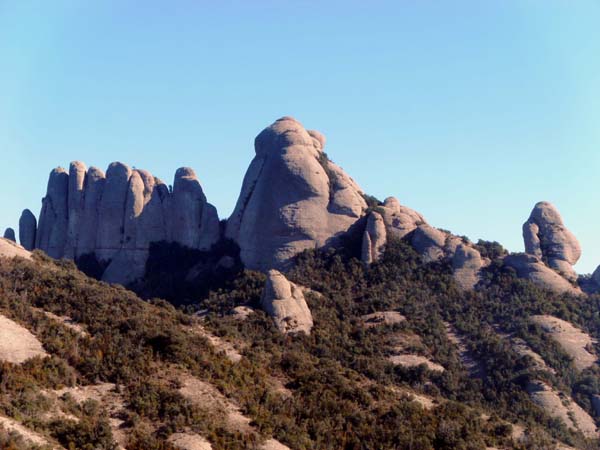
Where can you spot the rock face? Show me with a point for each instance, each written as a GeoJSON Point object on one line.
{"type": "Point", "coordinates": [400, 220]}
{"type": "Point", "coordinates": [548, 239]}
{"type": "Point", "coordinates": [117, 216]}
{"type": "Point", "coordinates": [284, 301]}
{"type": "Point", "coordinates": [533, 269]}
{"type": "Point", "coordinates": [374, 239]}
{"type": "Point", "coordinates": [562, 407]}
{"type": "Point", "coordinates": [467, 263]}
{"type": "Point", "coordinates": [27, 229]}
{"type": "Point", "coordinates": [9, 234]}
{"type": "Point", "coordinates": [292, 198]}
{"type": "Point", "coordinates": [51, 236]}
{"type": "Point", "coordinates": [429, 242]}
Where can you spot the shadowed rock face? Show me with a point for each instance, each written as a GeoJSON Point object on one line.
{"type": "Point", "coordinates": [292, 198]}
{"type": "Point", "coordinates": [118, 215]}
{"type": "Point", "coordinates": [548, 239]}
{"type": "Point", "coordinates": [52, 231]}
{"type": "Point", "coordinates": [374, 239]}
{"type": "Point", "coordinates": [9, 234]}
{"type": "Point", "coordinates": [284, 301]}
{"type": "Point", "coordinates": [27, 229]}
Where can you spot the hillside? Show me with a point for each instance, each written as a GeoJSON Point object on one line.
{"type": "Point", "coordinates": [314, 317]}
{"type": "Point", "coordinates": [142, 375]}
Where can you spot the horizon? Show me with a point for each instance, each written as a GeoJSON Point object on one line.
{"type": "Point", "coordinates": [498, 108]}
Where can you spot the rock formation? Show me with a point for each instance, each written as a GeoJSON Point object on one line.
{"type": "Point", "coordinates": [284, 301]}
{"type": "Point", "coordinates": [51, 235]}
{"type": "Point", "coordinates": [399, 220]}
{"type": "Point", "coordinates": [467, 264]}
{"type": "Point", "coordinates": [374, 239]}
{"type": "Point", "coordinates": [116, 217]}
{"type": "Point", "coordinates": [27, 229]}
{"type": "Point", "coordinates": [533, 269]}
{"type": "Point", "coordinates": [190, 212]}
{"type": "Point", "coordinates": [549, 240]}
{"type": "Point", "coordinates": [292, 198]}
{"type": "Point", "coordinates": [9, 234]}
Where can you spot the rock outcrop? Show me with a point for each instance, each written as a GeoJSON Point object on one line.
{"type": "Point", "coordinates": [27, 229]}
{"type": "Point", "coordinates": [284, 301]}
{"type": "Point", "coordinates": [467, 264]}
{"type": "Point", "coordinates": [533, 269]}
{"type": "Point", "coordinates": [374, 239]}
{"type": "Point", "coordinates": [117, 216]}
{"type": "Point", "coordinates": [292, 198]}
{"type": "Point", "coordinates": [9, 234]}
{"type": "Point", "coordinates": [399, 220]}
{"type": "Point", "coordinates": [549, 240]}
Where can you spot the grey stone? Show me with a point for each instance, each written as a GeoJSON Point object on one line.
{"type": "Point", "coordinates": [429, 242]}
{"type": "Point", "coordinates": [77, 174]}
{"type": "Point", "coordinates": [548, 239]}
{"type": "Point", "coordinates": [292, 198]}
{"type": "Point", "coordinates": [194, 222]}
{"type": "Point", "coordinates": [88, 231]}
{"type": "Point", "coordinates": [51, 236]}
{"type": "Point", "coordinates": [284, 301]}
{"type": "Point", "coordinates": [9, 234]}
{"type": "Point", "coordinates": [111, 212]}
{"type": "Point", "coordinates": [533, 269]}
{"type": "Point", "coordinates": [400, 220]}
{"type": "Point", "coordinates": [27, 229]}
{"type": "Point", "coordinates": [374, 239]}
{"type": "Point", "coordinates": [467, 264]}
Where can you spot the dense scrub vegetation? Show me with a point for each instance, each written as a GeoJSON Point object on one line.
{"type": "Point", "coordinates": [345, 392]}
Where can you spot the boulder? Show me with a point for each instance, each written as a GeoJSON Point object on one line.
{"type": "Point", "coordinates": [292, 198]}
{"type": "Point", "coordinates": [533, 269]}
{"type": "Point", "coordinates": [9, 234]}
{"type": "Point", "coordinates": [284, 301]}
{"type": "Point", "coordinates": [467, 264]}
{"type": "Point", "coordinates": [52, 233]}
{"type": "Point", "coordinates": [399, 220]}
{"type": "Point", "coordinates": [27, 229]}
{"type": "Point", "coordinates": [374, 239]}
{"type": "Point", "coordinates": [548, 239]}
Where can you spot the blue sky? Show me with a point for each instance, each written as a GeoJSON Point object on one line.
{"type": "Point", "coordinates": [467, 111]}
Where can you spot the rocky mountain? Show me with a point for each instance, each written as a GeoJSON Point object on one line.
{"type": "Point", "coordinates": [316, 316]}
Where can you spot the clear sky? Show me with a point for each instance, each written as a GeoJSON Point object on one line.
{"type": "Point", "coordinates": [467, 111]}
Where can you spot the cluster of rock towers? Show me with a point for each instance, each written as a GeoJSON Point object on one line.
{"type": "Point", "coordinates": [292, 198]}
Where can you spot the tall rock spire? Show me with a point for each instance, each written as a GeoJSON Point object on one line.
{"type": "Point", "coordinates": [51, 236]}
{"type": "Point", "coordinates": [292, 198]}
{"type": "Point", "coordinates": [548, 239]}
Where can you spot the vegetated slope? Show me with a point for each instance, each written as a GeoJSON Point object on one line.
{"type": "Point", "coordinates": [334, 389]}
